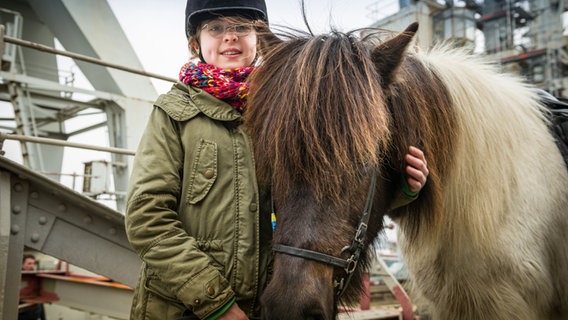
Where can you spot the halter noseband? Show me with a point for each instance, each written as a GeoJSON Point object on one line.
{"type": "Point", "coordinates": [356, 247]}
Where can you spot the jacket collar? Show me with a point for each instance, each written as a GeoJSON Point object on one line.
{"type": "Point", "coordinates": [211, 106]}
{"type": "Point", "coordinates": [184, 102]}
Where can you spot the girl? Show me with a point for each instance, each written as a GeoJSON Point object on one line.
{"type": "Point", "coordinates": [196, 214]}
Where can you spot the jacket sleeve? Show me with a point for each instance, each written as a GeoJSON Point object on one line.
{"type": "Point", "coordinates": [184, 272]}
{"type": "Point", "coordinates": [403, 196]}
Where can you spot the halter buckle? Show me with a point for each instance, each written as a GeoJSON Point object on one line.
{"type": "Point", "coordinates": [339, 285]}
{"type": "Point", "coordinates": [351, 264]}
{"type": "Point", "coordinates": [361, 231]}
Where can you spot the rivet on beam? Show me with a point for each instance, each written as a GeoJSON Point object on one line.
{"type": "Point", "coordinates": [15, 229]}
{"type": "Point", "coordinates": [35, 237]}
{"type": "Point", "coordinates": [16, 209]}
{"type": "Point", "coordinates": [18, 187]}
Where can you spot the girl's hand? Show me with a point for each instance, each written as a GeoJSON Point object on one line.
{"type": "Point", "coordinates": [416, 169]}
{"type": "Point", "coordinates": [234, 313]}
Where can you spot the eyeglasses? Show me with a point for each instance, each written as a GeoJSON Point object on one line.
{"type": "Point", "coordinates": [217, 29]}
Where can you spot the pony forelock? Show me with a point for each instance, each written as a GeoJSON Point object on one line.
{"type": "Point", "coordinates": [303, 129]}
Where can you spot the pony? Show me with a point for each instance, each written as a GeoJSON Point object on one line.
{"type": "Point", "coordinates": [331, 117]}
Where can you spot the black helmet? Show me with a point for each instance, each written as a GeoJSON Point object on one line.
{"type": "Point", "coordinates": [199, 10]}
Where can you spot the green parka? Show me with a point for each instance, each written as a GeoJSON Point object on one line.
{"type": "Point", "coordinates": [194, 212]}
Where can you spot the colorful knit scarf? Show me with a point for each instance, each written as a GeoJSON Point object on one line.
{"type": "Point", "coordinates": [229, 85]}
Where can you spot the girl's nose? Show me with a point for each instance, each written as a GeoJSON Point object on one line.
{"type": "Point", "coordinates": [230, 35]}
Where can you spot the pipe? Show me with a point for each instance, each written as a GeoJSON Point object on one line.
{"type": "Point", "coordinates": [8, 136]}
{"type": "Point", "coordinates": [81, 57]}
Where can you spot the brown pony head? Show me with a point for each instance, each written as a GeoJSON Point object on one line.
{"type": "Point", "coordinates": [320, 124]}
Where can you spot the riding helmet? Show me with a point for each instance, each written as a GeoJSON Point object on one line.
{"type": "Point", "coordinates": [199, 10]}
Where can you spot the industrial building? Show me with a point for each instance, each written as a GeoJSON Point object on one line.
{"type": "Point", "coordinates": [526, 37]}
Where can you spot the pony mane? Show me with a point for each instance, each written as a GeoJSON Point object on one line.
{"type": "Point", "coordinates": [332, 132]}
{"type": "Point", "coordinates": [490, 107]}
{"type": "Point", "coordinates": [496, 174]}
{"type": "Point", "coordinates": [446, 101]}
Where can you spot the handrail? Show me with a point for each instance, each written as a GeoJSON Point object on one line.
{"type": "Point", "coordinates": [9, 136]}
{"type": "Point", "coordinates": [77, 56]}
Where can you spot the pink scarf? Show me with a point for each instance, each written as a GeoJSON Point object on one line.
{"type": "Point", "coordinates": [229, 85]}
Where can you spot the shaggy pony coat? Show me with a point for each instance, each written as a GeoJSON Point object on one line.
{"type": "Point", "coordinates": [487, 237]}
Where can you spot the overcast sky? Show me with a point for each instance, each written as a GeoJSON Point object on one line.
{"type": "Point", "coordinates": [156, 28]}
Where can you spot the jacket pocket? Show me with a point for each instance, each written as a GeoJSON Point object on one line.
{"type": "Point", "coordinates": [204, 171]}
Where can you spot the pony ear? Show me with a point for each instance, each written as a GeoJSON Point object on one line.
{"type": "Point", "coordinates": [388, 55]}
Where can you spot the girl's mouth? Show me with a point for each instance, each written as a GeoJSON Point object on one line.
{"type": "Point", "coordinates": [230, 52]}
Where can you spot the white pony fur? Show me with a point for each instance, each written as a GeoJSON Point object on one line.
{"type": "Point", "coordinates": [500, 249]}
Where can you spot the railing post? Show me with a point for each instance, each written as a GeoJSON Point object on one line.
{"type": "Point", "coordinates": [2, 31]}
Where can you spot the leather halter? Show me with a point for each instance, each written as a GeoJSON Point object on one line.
{"type": "Point", "coordinates": [357, 246]}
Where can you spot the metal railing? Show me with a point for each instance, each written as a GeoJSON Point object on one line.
{"type": "Point", "coordinates": [22, 138]}
{"type": "Point", "coordinates": [44, 48]}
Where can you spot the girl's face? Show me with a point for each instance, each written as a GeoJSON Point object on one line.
{"type": "Point", "coordinates": [227, 44]}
